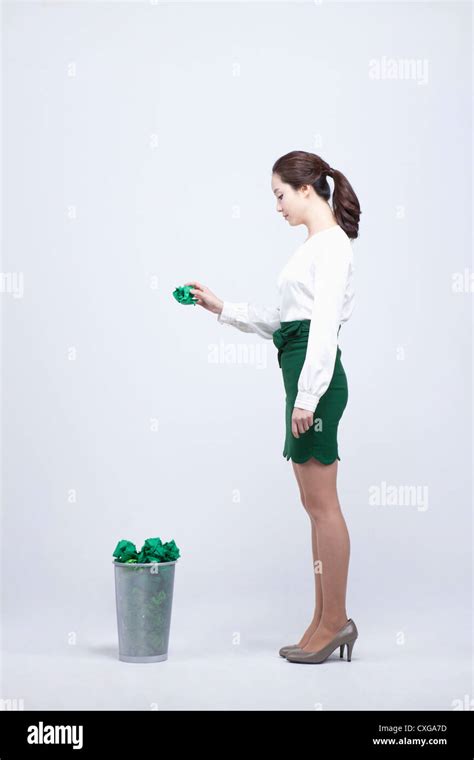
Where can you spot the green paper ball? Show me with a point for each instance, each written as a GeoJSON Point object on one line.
{"type": "Point", "coordinates": [183, 295]}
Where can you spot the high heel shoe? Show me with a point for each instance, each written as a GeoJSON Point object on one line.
{"type": "Point", "coordinates": [346, 636]}
{"type": "Point", "coordinates": [284, 650]}
{"type": "Point", "coordinates": [291, 647]}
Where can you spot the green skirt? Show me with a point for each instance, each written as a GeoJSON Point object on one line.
{"type": "Point", "coordinates": [320, 440]}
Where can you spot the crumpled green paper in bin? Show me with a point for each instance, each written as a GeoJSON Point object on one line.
{"type": "Point", "coordinates": [125, 551]}
{"type": "Point", "coordinates": [183, 295]}
{"type": "Point", "coordinates": [153, 550]}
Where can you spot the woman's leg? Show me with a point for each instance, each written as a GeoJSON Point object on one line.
{"type": "Point", "coordinates": [318, 591]}
{"type": "Point", "coordinates": [318, 482]}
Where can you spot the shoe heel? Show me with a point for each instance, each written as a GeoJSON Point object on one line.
{"type": "Point", "coordinates": [341, 650]}
{"type": "Point", "coordinates": [349, 646]}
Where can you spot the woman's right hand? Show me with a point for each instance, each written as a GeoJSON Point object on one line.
{"type": "Point", "coordinates": [206, 297]}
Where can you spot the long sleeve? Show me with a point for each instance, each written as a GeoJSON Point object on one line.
{"type": "Point", "coordinates": [331, 269]}
{"type": "Point", "coordinates": [251, 318]}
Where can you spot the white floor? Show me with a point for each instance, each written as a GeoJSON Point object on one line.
{"type": "Point", "coordinates": [47, 667]}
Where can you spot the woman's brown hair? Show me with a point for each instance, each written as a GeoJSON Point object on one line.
{"type": "Point", "coordinates": [301, 168]}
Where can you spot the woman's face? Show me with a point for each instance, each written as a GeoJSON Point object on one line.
{"type": "Point", "coordinates": [290, 202]}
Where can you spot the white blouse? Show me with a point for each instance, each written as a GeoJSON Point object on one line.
{"type": "Point", "coordinates": [317, 284]}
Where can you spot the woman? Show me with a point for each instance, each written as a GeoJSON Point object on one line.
{"type": "Point", "coordinates": [316, 296]}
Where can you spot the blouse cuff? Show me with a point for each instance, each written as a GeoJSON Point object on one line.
{"type": "Point", "coordinates": [307, 401]}
{"type": "Point", "coordinates": [231, 312]}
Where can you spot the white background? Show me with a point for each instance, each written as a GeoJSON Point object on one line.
{"type": "Point", "coordinates": [138, 141]}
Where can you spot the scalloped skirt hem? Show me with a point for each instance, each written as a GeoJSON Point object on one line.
{"type": "Point", "coordinates": [323, 460]}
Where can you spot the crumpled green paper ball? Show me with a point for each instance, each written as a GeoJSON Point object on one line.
{"type": "Point", "coordinates": [125, 551]}
{"type": "Point", "coordinates": [183, 295]}
{"type": "Point", "coordinates": [153, 550]}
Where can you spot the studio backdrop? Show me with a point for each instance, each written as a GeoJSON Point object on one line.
{"type": "Point", "coordinates": [138, 141]}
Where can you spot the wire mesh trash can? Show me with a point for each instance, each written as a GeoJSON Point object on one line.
{"type": "Point", "coordinates": [144, 598]}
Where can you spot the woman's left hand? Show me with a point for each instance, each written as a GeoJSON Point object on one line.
{"type": "Point", "coordinates": [301, 421]}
